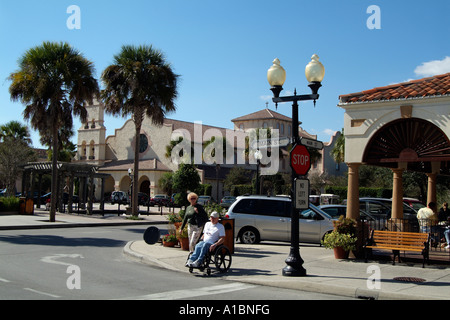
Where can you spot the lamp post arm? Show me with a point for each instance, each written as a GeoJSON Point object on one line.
{"type": "Point", "coordinates": [302, 97]}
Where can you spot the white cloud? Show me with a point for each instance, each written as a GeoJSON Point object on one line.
{"type": "Point", "coordinates": [329, 132]}
{"type": "Point", "coordinates": [266, 98]}
{"type": "Point", "coordinates": [434, 67]}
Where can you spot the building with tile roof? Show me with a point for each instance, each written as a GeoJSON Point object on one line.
{"type": "Point", "coordinates": [403, 126]}
{"type": "Point", "coordinates": [114, 154]}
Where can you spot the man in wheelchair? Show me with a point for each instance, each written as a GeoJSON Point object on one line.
{"type": "Point", "coordinates": [213, 236]}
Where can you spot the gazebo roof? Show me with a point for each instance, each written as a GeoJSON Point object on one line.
{"type": "Point", "coordinates": [78, 169]}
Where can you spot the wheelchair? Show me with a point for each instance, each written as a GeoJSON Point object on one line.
{"type": "Point", "coordinates": [220, 258]}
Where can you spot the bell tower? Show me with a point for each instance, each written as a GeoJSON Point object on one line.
{"type": "Point", "coordinates": [91, 136]}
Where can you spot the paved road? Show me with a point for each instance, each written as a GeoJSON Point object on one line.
{"type": "Point", "coordinates": [88, 263]}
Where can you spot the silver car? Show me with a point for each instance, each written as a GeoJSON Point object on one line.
{"type": "Point", "coordinates": [268, 218]}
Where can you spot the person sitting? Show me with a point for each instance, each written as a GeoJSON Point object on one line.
{"type": "Point", "coordinates": [447, 237]}
{"type": "Point", "coordinates": [444, 213]}
{"type": "Point", "coordinates": [213, 236]}
{"type": "Point", "coordinates": [427, 217]}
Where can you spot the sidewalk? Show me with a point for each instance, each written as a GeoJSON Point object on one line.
{"type": "Point", "coordinates": [262, 264]}
{"type": "Point", "coordinates": [40, 219]}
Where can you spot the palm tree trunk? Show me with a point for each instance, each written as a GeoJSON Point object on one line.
{"type": "Point", "coordinates": [138, 118]}
{"type": "Point", "coordinates": [53, 199]}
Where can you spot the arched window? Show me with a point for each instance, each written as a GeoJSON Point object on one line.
{"type": "Point", "coordinates": [91, 150]}
{"type": "Point", "coordinates": [83, 151]}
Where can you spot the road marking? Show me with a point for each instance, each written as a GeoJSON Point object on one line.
{"type": "Point", "coordinates": [52, 259]}
{"type": "Point", "coordinates": [194, 292]}
{"type": "Point", "coordinates": [4, 280]}
{"type": "Point", "coordinates": [43, 293]}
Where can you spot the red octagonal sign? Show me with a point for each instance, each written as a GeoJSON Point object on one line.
{"type": "Point", "coordinates": [300, 160]}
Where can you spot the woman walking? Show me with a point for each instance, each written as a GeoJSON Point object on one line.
{"type": "Point", "coordinates": [196, 218]}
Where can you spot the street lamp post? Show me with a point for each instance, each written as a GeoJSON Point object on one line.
{"type": "Point", "coordinates": [276, 75]}
{"type": "Point", "coordinates": [130, 174]}
{"type": "Point", "coordinates": [258, 157]}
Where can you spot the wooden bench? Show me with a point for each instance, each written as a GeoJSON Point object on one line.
{"type": "Point", "coordinates": [399, 241]}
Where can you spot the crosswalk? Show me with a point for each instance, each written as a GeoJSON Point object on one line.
{"type": "Point", "coordinates": [193, 292]}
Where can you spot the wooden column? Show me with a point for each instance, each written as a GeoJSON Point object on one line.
{"type": "Point", "coordinates": [397, 194]}
{"type": "Point", "coordinates": [353, 191]}
{"type": "Point", "coordinates": [431, 191]}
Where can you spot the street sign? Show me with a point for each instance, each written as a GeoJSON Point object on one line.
{"type": "Point", "coordinates": [300, 160]}
{"type": "Point", "coordinates": [301, 193]}
{"type": "Point", "coordinates": [268, 143]}
{"type": "Point", "coordinates": [311, 143]}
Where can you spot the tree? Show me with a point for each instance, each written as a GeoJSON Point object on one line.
{"type": "Point", "coordinates": [15, 150]}
{"type": "Point", "coordinates": [139, 83]}
{"type": "Point", "coordinates": [338, 151]}
{"type": "Point", "coordinates": [53, 82]}
{"type": "Point", "coordinates": [66, 148]}
{"type": "Point", "coordinates": [17, 131]}
{"type": "Point", "coordinates": [166, 182]}
{"type": "Point", "coordinates": [185, 179]}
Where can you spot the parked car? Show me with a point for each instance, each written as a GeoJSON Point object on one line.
{"type": "Point", "coordinates": [414, 203]}
{"type": "Point", "coordinates": [324, 198]}
{"type": "Point", "coordinates": [337, 210]}
{"type": "Point", "coordinates": [204, 200]}
{"type": "Point", "coordinates": [160, 200]}
{"type": "Point", "coordinates": [47, 197]}
{"type": "Point", "coordinates": [119, 197]}
{"type": "Point", "coordinates": [143, 199]}
{"type": "Point", "coordinates": [172, 201]}
{"type": "Point", "coordinates": [269, 218]}
{"type": "Point", "coordinates": [382, 208]}
{"type": "Point", "coordinates": [227, 201]}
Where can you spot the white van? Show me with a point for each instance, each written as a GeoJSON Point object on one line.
{"type": "Point", "coordinates": [269, 218]}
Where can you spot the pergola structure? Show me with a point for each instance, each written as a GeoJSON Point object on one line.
{"type": "Point", "coordinates": [67, 173]}
{"type": "Point", "coordinates": [403, 126]}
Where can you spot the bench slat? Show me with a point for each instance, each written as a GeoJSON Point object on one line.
{"type": "Point", "coordinates": [397, 248]}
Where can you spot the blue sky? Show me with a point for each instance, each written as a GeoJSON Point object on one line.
{"type": "Point", "coordinates": [222, 49]}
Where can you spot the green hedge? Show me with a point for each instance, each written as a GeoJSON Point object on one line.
{"type": "Point", "coordinates": [240, 189]}
{"type": "Point", "coordinates": [363, 192]}
{"type": "Point", "coordinates": [9, 204]}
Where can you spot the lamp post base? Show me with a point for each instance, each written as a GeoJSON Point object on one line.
{"type": "Point", "coordinates": [294, 267]}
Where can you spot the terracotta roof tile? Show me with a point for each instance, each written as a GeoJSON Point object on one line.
{"type": "Point", "coordinates": [438, 85]}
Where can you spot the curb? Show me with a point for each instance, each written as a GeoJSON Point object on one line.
{"type": "Point", "coordinates": [350, 292]}
{"type": "Point", "coordinates": [145, 258]}
{"type": "Point", "coordinates": [79, 225]}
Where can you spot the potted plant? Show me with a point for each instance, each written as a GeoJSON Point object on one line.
{"type": "Point", "coordinates": [341, 243]}
{"type": "Point", "coordinates": [342, 239]}
{"type": "Point", "coordinates": [182, 236]}
{"type": "Point", "coordinates": [169, 240]}
{"type": "Point", "coordinates": [174, 217]}
{"type": "Point", "coordinates": [345, 225]}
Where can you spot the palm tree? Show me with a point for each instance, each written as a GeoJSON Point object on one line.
{"type": "Point", "coordinates": [17, 131]}
{"type": "Point", "coordinates": [53, 81]}
{"type": "Point", "coordinates": [15, 150]}
{"type": "Point", "coordinates": [66, 148]}
{"type": "Point", "coordinates": [139, 83]}
{"type": "Point", "coordinates": [338, 151]}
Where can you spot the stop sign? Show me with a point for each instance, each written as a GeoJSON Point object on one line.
{"type": "Point", "coordinates": [300, 160]}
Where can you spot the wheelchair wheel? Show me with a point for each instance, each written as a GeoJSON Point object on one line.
{"type": "Point", "coordinates": [222, 259]}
